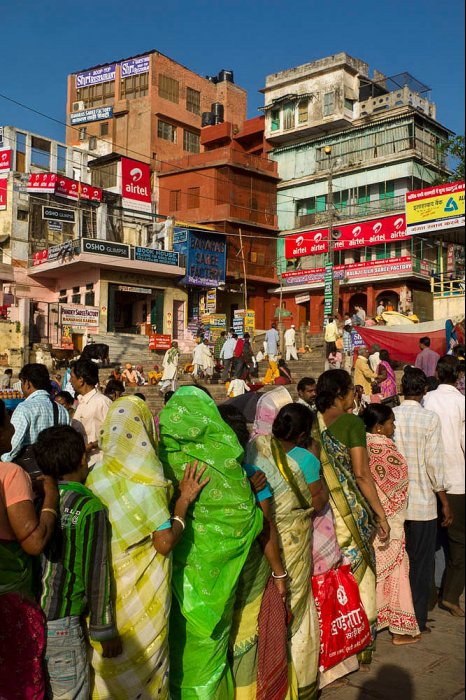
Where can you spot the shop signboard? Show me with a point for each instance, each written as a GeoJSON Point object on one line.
{"type": "Point", "coordinates": [42, 182]}
{"type": "Point", "coordinates": [56, 214]}
{"type": "Point", "coordinates": [99, 247]}
{"type": "Point", "coordinates": [77, 316]}
{"type": "Point", "coordinates": [328, 290]}
{"type": "Point", "coordinates": [56, 226]}
{"type": "Point", "coordinates": [105, 74]}
{"type": "Point", "coordinates": [213, 324]}
{"type": "Point", "coordinates": [5, 160]}
{"type": "Point", "coordinates": [366, 233]}
{"type": "Point", "coordinates": [134, 66]}
{"type": "Point", "coordinates": [238, 325]}
{"type": "Point", "coordinates": [302, 298]}
{"type": "Point", "coordinates": [357, 340]}
{"type": "Point", "coordinates": [136, 185]}
{"type": "Point", "coordinates": [55, 252]}
{"type": "Point", "coordinates": [159, 257]}
{"type": "Point", "coordinates": [91, 115]}
{"type": "Point", "coordinates": [370, 268]}
{"type": "Point", "coordinates": [3, 192]}
{"type": "Point", "coordinates": [206, 254]}
{"type": "Point", "coordinates": [211, 300]}
{"type": "Point", "coordinates": [180, 235]}
{"type": "Point", "coordinates": [72, 189]}
{"type": "Point", "coordinates": [158, 341]}
{"type": "Point", "coordinates": [435, 208]}
{"type": "Point", "coordinates": [134, 290]}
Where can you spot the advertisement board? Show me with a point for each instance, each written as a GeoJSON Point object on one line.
{"type": "Point", "coordinates": [55, 252]}
{"type": "Point", "coordinates": [3, 192]}
{"type": "Point", "coordinates": [135, 185]}
{"type": "Point", "coordinates": [5, 160]}
{"type": "Point", "coordinates": [134, 66]}
{"type": "Point", "coordinates": [160, 342]}
{"type": "Point", "coordinates": [206, 254]}
{"type": "Point", "coordinates": [435, 208]}
{"type": "Point", "coordinates": [361, 270]}
{"type": "Point", "coordinates": [96, 76]}
{"type": "Point", "coordinates": [72, 189]}
{"type": "Point", "coordinates": [99, 247]}
{"type": "Point", "coordinates": [211, 301]}
{"type": "Point", "coordinates": [328, 290]}
{"type": "Point", "coordinates": [374, 232]}
{"type": "Point", "coordinates": [56, 214]}
{"type": "Point", "coordinates": [77, 316]}
{"type": "Point", "coordinates": [159, 257]}
{"type": "Point", "coordinates": [91, 115]}
{"type": "Point", "coordinates": [42, 182]}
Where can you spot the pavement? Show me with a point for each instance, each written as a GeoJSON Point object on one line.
{"type": "Point", "coordinates": [432, 669]}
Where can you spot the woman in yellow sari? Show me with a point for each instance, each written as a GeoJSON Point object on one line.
{"type": "Point", "coordinates": [272, 373]}
{"type": "Point", "coordinates": [130, 482]}
{"type": "Point", "coordinates": [355, 504]}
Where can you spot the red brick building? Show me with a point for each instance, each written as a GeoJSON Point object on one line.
{"type": "Point", "coordinates": [231, 187]}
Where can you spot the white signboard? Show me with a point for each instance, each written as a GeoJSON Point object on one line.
{"type": "Point", "coordinates": [80, 316]}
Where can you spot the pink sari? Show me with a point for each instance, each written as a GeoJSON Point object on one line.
{"type": "Point", "coordinates": [395, 608]}
{"type": "Point", "coordinates": [388, 386]}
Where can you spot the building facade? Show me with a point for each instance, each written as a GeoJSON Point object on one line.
{"type": "Point", "coordinates": [348, 148]}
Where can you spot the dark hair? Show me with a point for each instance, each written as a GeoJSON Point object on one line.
{"type": "Point", "coordinates": [223, 333]}
{"type": "Point", "coordinates": [59, 450]}
{"type": "Point", "coordinates": [425, 341]}
{"type": "Point", "coordinates": [234, 335]}
{"type": "Point", "coordinates": [8, 371]}
{"type": "Point", "coordinates": [3, 413]}
{"type": "Point", "coordinates": [331, 385]}
{"type": "Point", "coordinates": [413, 382]}
{"type": "Point", "coordinates": [376, 413]}
{"type": "Point", "coordinates": [304, 382]}
{"type": "Point", "coordinates": [246, 335]}
{"type": "Point", "coordinates": [141, 396]}
{"type": "Point", "coordinates": [385, 356]}
{"type": "Point", "coordinates": [38, 375]}
{"type": "Point", "coordinates": [282, 363]}
{"type": "Point", "coordinates": [432, 383]}
{"type": "Point", "coordinates": [447, 369]}
{"type": "Point", "coordinates": [233, 417]}
{"type": "Point", "coordinates": [87, 371]}
{"type": "Point", "coordinates": [114, 385]}
{"type": "Point", "coordinates": [167, 396]}
{"type": "Point", "coordinates": [461, 366]}
{"type": "Point", "coordinates": [292, 420]}
{"type": "Point", "coordinates": [458, 350]}
{"type": "Point", "coordinates": [66, 396]}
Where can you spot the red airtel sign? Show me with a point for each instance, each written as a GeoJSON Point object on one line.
{"type": "Point", "coordinates": [374, 232]}
{"type": "Point", "coordinates": [135, 184]}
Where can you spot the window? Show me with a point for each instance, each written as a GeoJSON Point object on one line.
{"type": "Point", "coordinates": [22, 215]}
{"type": "Point", "coordinates": [275, 120]}
{"type": "Point", "coordinates": [61, 159]}
{"type": "Point", "coordinates": [96, 95]}
{"type": "Point", "coordinates": [20, 152]}
{"type": "Point", "coordinates": [166, 131]}
{"type": "Point", "coordinates": [63, 296]}
{"type": "Point", "coordinates": [387, 189]}
{"type": "Point", "coordinates": [349, 104]}
{"type": "Point", "coordinates": [82, 134]}
{"type": "Point", "coordinates": [40, 152]}
{"type": "Point", "coordinates": [105, 176]}
{"type": "Point", "coordinates": [193, 101]}
{"type": "Point", "coordinates": [303, 111]}
{"type": "Point", "coordinates": [191, 141]}
{"type": "Point", "coordinates": [340, 199]}
{"type": "Point", "coordinates": [169, 88]}
{"type": "Point", "coordinates": [89, 297]}
{"type": "Point", "coordinates": [193, 197]}
{"type": "Point", "coordinates": [104, 129]}
{"type": "Point", "coordinates": [329, 103]}
{"type": "Point", "coordinates": [288, 116]}
{"type": "Point", "coordinates": [175, 200]}
{"type": "Point", "coordinates": [76, 296]}
{"type": "Point", "coordinates": [135, 86]}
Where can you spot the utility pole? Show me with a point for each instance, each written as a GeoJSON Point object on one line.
{"type": "Point", "coordinates": [331, 290]}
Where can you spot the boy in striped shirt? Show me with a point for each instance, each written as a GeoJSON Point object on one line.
{"type": "Point", "coordinates": [76, 571]}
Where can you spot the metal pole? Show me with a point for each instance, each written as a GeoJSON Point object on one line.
{"type": "Point", "coordinates": [245, 281]}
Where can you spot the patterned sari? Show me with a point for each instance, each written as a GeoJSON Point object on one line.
{"type": "Point", "coordinates": [395, 608]}
{"type": "Point", "coordinates": [354, 525]}
{"type": "Point", "coordinates": [130, 482]}
{"type": "Point", "coordinates": [388, 386]}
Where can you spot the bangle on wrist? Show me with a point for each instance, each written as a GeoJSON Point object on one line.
{"type": "Point", "coordinates": [179, 520]}
{"type": "Point", "coordinates": [280, 576]}
{"type": "Point", "coordinates": [50, 510]}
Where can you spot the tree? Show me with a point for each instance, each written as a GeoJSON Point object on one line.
{"type": "Point", "coordinates": [454, 149]}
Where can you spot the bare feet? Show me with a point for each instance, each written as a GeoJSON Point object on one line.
{"type": "Point", "coordinates": [401, 639]}
{"type": "Point", "coordinates": [455, 610]}
{"type": "Point", "coordinates": [364, 668]}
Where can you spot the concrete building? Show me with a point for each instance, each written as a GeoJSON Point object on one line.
{"type": "Point", "coordinates": [372, 140]}
{"type": "Point", "coordinates": [231, 187]}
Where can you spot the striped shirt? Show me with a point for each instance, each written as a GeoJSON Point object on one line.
{"type": "Point", "coordinates": [76, 570]}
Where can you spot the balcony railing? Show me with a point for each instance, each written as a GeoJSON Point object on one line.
{"type": "Point", "coordinates": [353, 211]}
{"type": "Point", "coordinates": [443, 286]}
{"type": "Point", "coordinates": [225, 156]}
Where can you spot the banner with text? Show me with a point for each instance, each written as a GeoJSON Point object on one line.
{"type": "Point", "coordinates": [135, 185]}
{"type": "Point", "coordinates": [80, 316]}
{"type": "Point", "coordinates": [3, 192]}
{"type": "Point", "coordinates": [5, 160]}
{"type": "Point", "coordinates": [361, 270]}
{"type": "Point", "coordinates": [435, 208]}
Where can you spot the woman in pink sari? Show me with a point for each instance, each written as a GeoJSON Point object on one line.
{"type": "Point", "coordinates": [395, 608]}
{"type": "Point", "coordinates": [386, 378]}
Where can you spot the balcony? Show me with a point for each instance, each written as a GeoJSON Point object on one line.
{"type": "Point", "coordinates": [221, 156]}
{"type": "Point", "coordinates": [354, 211]}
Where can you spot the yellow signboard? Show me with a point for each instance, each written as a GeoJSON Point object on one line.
{"type": "Point", "coordinates": [435, 208]}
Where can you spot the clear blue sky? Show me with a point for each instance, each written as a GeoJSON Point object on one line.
{"type": "Point", "coordinates": [44, 41]}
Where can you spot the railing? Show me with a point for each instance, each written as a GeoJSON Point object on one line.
{"type": "Point", "coordinates": [443, 286]}
{"type": "Point", "coordinates": [223, 155]}
{"type": "Point", "coordinates": [353, 211]}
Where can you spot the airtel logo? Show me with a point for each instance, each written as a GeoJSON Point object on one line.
{"type": "Point", "coordinates": [4, 156]}
{"type": "Point", "coordinates": [377, 227]}
{"type": "Point", "coordinates": [136, 174]}
{"type": "Point", "coordinates": [318, 237]}
{"type": "Point", "coordinates": [356, 231]}
{"type": "Point", "coordinates": [398, 224]}
{"type": "Point", "coordinates": [300, 240]}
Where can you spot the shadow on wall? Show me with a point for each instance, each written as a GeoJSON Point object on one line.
{"type": "Point", "coordinates": [390, 682]}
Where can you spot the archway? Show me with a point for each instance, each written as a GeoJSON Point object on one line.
{"type": "Point", "coordinates": [390, 298]}
{"type": "Point", "coordinates": [359, 299]}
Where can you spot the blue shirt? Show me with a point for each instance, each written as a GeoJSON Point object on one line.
{"type": "Point", "coordinates": [266, 491]}
{"type": "Point", "coordinates": [29, 419]}
{"type": "Point", "coordinates": [272, 338]}
{"type": "Point", "coordinates": [307, 462]}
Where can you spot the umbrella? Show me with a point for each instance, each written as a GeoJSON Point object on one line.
{"type": "Point", "coordinates": [246, 403]}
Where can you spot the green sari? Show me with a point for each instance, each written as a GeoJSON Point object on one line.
{"type": "Point", "coordinates": [220, 530]}
{"type": "Point", "coordinates": [354, 524]}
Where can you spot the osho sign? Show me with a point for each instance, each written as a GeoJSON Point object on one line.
{"type": "Point", "coordinates": [135, 185]}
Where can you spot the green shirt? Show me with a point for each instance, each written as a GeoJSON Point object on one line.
{"type": "Point", "coordinates": [349, 430]}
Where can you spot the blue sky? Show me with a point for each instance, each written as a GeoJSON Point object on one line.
{"type": "Point", "coordinates": [43, 42]}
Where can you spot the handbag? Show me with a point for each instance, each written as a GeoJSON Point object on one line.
{"type": "Point", "coordinates": [344, 626]}
{"type": "Point", "coordinates": [391, 401]}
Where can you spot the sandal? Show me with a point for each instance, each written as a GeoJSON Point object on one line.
{"type": "Point", "coordinates": [400, 640]}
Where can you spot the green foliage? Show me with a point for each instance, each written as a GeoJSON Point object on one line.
{"type": "Point", "coordinates": [454, 149]}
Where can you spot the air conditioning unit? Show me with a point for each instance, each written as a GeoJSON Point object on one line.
{"type": "Point", "coordinates": [78, 106]}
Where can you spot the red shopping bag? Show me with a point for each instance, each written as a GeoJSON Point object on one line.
{"type": "Point", "coordinates": [344, 627]}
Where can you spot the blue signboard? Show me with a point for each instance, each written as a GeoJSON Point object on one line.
{"type": "Point", "coordinates": [206, 257]}
{"type": "Point", "coordinates": [91, 115]}
{"type": "Point", "coordinates": [134, 66]}
{"type": "Point", "coordinates": [96, 76]}
{"type": "Point", "coordinates": [160, 257]}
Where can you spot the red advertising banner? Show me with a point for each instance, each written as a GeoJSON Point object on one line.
{"type": "Point", "coordinates": [373, 232]}
{"type": "Point", "coordinates": [5, 160]}
{"type": "Point", "coordinates": [40, 257]}
{"type": "Point", "coordinates": [435, 191]}
{"type": "Point", "coordinates": [160, 342]}
{"type": "Point", "coordinates": [135, 184]}
{"type": "Point", "coordinates": [361, 270]}
{"type": "Point", "coordinates": [42, 182]}
{"type": "Point", "coordinates": [72, 189]}
{"type": "Point", "coordinates": [3, 192]}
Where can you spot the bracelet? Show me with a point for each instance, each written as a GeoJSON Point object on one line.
{"type": "Point", "coordinates": [50, 510]}
{"type": "Point", "coordinates": [285, 575]}
{"type": "Point", "coordinates": [179, 520]}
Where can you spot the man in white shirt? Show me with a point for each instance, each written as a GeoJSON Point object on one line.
{"type": "Point", "coordinates": [92, 405]}
{"type": "Point", "coordinates": [272, 338]}
{"type": "Point", "coordinates": [290, 344]}
{"type": "Point", "coordinates": [418, 436]}
{"type": "Point", "coordinates": [227, 354]}
{"type": "Point", "coordinates": [374, 357]}
{"type": "Point", "coordinates": [307, 390]}
{"type": "Point", "coordinates": [448, 403]}
{"type": "Point", "coordinates": [380, 308]}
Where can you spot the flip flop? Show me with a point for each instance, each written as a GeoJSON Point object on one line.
{"type": "Point", "coordinates": [406, 639]}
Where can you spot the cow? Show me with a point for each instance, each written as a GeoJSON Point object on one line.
{"type": "Point", "coordinates": [96, 351]}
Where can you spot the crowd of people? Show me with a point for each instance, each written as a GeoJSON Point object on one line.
{"type": "Point", "coordinates": [175, 557]}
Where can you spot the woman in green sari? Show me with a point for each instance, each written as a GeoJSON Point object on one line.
{"type": "Point", "coordinates": [355, 504]}
{"type": "Point", "coordinates": [220, 529]}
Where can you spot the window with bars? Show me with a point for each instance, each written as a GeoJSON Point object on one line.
{"type": "Point", "coordinates": [329, 103]}
{"type": "Point", "coordinates": [166, 131]}
{"type": "Point", "coordinates": [303, 111]}
{"type": "Point", "coordinates": [96, 95]}
{"type": "Point", "coordinates": [175, 200]}
{"type": "Point", "coordinates": [193, 101]}
{"type": "Point", "coordinates": [135, 86]}
{"type": "Point", "coordinates": [169, 88]}
{"type": "Point", "coordinates": [193, 197]}
{"type": "Point", "coordinates": [191, 141]}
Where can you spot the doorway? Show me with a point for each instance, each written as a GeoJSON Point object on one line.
{"type": "Point", "coordinates": [178, 319]}
{"type": "Point", "coordinates": [77, 339]}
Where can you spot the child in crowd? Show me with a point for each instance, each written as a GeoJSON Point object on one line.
{"type": "Point", "coordinates": [76, 577]}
